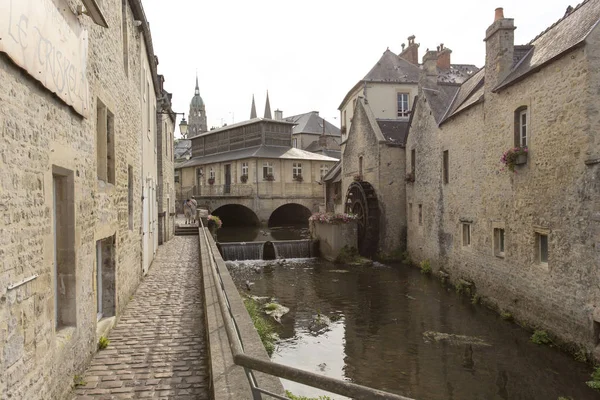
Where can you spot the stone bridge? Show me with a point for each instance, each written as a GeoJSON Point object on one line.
{"type": "Point", "coordinates": [254, 206]}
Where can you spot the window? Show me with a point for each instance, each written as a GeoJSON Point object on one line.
{"type": "Point", "coordinates": [521, 125]}
{"type": "Point", "coordinates": [211, 173]}
{"type": "Point", "coordinates": [166, 140]}
{"type": "Point", "coordinates": [64, 274]}
{"type": "Point", "coordinates": [130, 195]}
{"type": "Point", "coordinates": [105, 143]}
{"type": "Point", "coordinates": [360, 166]}
{"type": "Point", "coordinates": [403, 109]}
{"type": "Point", "coordinates": [297, 170]}
{"type": "Point", "coordinates": [105, 277]}
{"type": "Point", "coordinates": [466, 234]}
{"type": "Point", "coordinates": [199, 175]}
{"type": "Point", "coordinates": [125, 37]}
{"type": "Point", "coordinates": [413, 160]}
{"type": "Point", "coordinates": [176, 178]}
{"type": "Point", "coordinates": [245, 168]}
{"type": "Point", "coordinates": [267, 169]}
{"type": "Point", "coordinates": [499, 242]}
{"type": "Point", "coordinates": [420, 214]}
{"type": "Point", "coordinates": [295, 142]}
{"type": "Point", "coordinates": [324, 170]}
{"type": "Point", "coordinates": [445, 167]}
{"type": "Point", "coordinates": [541, 244]}
{"type": "Point", "coordinates": [410, 212]}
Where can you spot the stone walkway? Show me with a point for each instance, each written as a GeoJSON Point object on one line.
{"type": "Point", "coordinates": [158, 348]}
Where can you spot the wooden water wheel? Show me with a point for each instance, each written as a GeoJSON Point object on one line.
{"type": "Point", "coordinates": [362, 201]}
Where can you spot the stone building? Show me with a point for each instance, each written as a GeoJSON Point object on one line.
{"type": "Point", "coordinates": [313, 133]}
{"type": "Point", "coordinates": [165, 129]}
{"type": "Point", "coordinates": [375, 117]}
{"type": "Point", "coordinates": [72, 150]}
{"type": "Point", "coordinates": [527, 241]}
{"type": "Point", "coordinates": [197, 116]}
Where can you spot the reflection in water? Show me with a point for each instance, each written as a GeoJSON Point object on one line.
{"type": "Point", "coordinates": [262, 234]}
{"type": "Point", "coordinates": [376, 338]}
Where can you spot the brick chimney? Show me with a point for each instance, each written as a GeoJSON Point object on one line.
{"type": "Point", "coordinates": [443, 61]}
{"type": "Point", "coordinates": [411, 53]}
{"type": "Point", "coordinates": [430, 63]}
{"type": "Point", "coordinates": [499, 49]}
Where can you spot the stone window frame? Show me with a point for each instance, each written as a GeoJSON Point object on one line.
{"type": "Point", "coordinates": [295, 143]}
{"type": "Point", "coordinates": [420, 214]}
{"type": "Point", "coordinates": [245, 168]}
{"type": "Point", "coordinates": [268, 169]}
{"type": "Point", "coordinates": [466, 234]}
{"type": "Point", "coordinates": [413, 161]}
{"type": "Point", "coordinates": [176, 176]}
{"type": "Point", "coordinates": [410, 212]}
{"type": "Point", "coordinates": [296, 169]}
{"type": "Point", "coordinates": [105, 143]}
{"type": "Point", "coordinates": [498, 239]}
{"type": "Point", "coordinates": [445, 167]}
{"type": "Point", "coordinates": [323, 170]}
{"type": "Point", "coordinates": [541, 232]}
{"type": "Point", "coordinates": [402, 106]}
{"type": "Point", "coordinates": [519, 139]}
{"type": "Point", "coordinates": [211, 173]}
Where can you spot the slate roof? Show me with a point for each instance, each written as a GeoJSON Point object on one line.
{"type": "Point", "coordinates": [310, 122]}
{"type": "Point", "coordinates": [565, 34]}
{"type": "Point", "coordinates": [334, 174]}
{"type": "Point", "coordinates": [394, 131]}
{"type": "Point", "coordinates": [257, 152]}
{"type": "Point", "coordinates": [439, 98]}
{"type": "Point", "coordinates": [468, 94]}
{"type": "Point", "coordinates": [183, 147]}
{"type": "Point", "coordinates": [331, 143]}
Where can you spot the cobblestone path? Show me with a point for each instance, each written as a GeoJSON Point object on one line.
{"type": "Point", "coordinates": [158, 348]}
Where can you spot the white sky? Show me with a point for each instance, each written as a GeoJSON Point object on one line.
{"type": "Point", "coordinates": [308, 54]}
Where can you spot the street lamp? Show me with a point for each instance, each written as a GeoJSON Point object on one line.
{"type": "Point", "coordinates": [183, 125]}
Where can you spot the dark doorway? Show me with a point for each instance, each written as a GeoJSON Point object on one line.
{"type": "Point", "coordinates": [236, 215]}
{"type": "Point", "coordinates": [290, 214]}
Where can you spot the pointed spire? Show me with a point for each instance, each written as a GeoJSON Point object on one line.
{"type": "Point", "coordinates": [197, 91]}
{"type": "Point", "coordinates": [253, 110]}
{"type": "Point", "coordinates": [268, 108]}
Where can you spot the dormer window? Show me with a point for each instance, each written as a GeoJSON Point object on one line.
{"type": "Point", "coordinates": [403, 105]}
{"type": "Point", "coordinates": [521, 126]}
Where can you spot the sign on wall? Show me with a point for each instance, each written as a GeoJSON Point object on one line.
{"type": "Point", "coordinates": [50, 44]}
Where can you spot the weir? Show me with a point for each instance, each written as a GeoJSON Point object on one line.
{"type": "Point", "coordinates": [240, 251]}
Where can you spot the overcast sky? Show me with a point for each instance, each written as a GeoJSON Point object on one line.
{"type": "Point", "coordinates": [308, 54]}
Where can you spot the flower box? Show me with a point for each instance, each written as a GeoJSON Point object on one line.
{"type": "Point", "coordinates": [211, 181]}
{"type": "Point", "coordinates": [244, 178]}
{"type": "Point", "coordinates": [270, 178]}
{"type": "Point", "coordinates": [514, 156]}
{"type": "Point", "coordinates": [298, 178]}
{"type": "Point", "coordinates": [521, 159]}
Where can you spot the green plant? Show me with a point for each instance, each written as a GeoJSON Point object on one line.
{"type": "Point", "coordinates": [425, 267]}
{"type": "Point", "coordinates": [509, 158]}
{"type": "Point", "coordinates": [103, 342]}
{"type": "Point", "coordinates": [271, 306]}
{"type": "Point", "coordinates": [461, 288]}
{"type": "Point", "coordinates": [595, 382]}
{"type": "Point", "coordinates": [505, 315]}
{"type": "Point", "coordinates": [214, 222]}
{"type": "Point", "coordinates": [476, 299]}
{"type": "Point", "coordinates": [581, 356]}
{"type": "Point", "coordinates": [79, 381]}
{"type": "Point", "coordinates": [540, 337]}
{"type": "Point", "coordinates": [292, 396]}
{"type": "Point", "coordinates": [347, 255]}
{"type": "Point", "coordinates": [263, 326]}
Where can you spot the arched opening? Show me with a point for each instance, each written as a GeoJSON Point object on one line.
{"type": "Point", "coordinates": [290, 215]}
{"type": "Point", "coordinates": [240, 224]}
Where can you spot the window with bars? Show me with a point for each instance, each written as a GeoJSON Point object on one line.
{"type": "Point", "coordinates": [296, 170]}
{"type": "Point", "coordinates": [403, 105]}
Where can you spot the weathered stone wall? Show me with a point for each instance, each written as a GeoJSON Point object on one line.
{"type": "Point", "coordinates": [333, 237]}
{"type": "Point", "coordinates": [39, 133]}
{"type": "Point", "coordinates": [166, 178]}
{"type": "Point", "coordinates": [554, 193]}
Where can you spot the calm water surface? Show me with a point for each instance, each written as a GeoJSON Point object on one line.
{"type": "Point", "coordinates": [380, 315]}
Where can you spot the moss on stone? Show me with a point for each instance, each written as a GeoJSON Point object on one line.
{"type": "Point", "coordinates": [349, 256]}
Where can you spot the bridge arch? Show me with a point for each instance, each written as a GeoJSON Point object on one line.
{"type": "Point", "coordinates": [236, 215]}
{"type": "Point", "coordinates": [290, 214]}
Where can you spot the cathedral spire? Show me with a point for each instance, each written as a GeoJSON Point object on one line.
{"type": "Point", "coordinates": [197, 91]}
{"type": "Point", "coordinates": [253, 109]}
{"type": "Point", "coordinates": [268, 108]}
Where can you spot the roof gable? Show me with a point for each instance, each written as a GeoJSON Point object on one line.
{"type": "Point", "coordinates": [391, 68]}
{"type": "Point", "coordinates": [311, 122]}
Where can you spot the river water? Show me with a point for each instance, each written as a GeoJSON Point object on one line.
{"type": "Point", "coordinates": [390, 331]}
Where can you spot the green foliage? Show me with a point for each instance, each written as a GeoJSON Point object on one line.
{"type": "Point", "coordinates": [425, 267]}
{"type": "Point", "coordinates": [505, 315]}
{"type": "Point", "coordinates": [580, 356]}
{"type": "Point", "coordinates": [476, 299]}
{"type": "Point", "coordinates": [78, 381]}
{"type": "Point", "coordinates": [103, 343]}
{"type": "Point", "coordinates": [263, 326]}
{"type": "Point", "coordinates": [540, 337]}
{"type": "Point", "coordinates": [271, 306]}
{"type": "Point", "coordinates": [349, 255]}
{"type": "Point", "coordinates": [462, 288]}
{"type": "Point", "coordinates": [292, 396]}
{"type": "Point", "coordinates": [595, 382]}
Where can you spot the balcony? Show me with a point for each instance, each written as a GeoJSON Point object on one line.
{"type": "Point", "coordinates": [233, 190]}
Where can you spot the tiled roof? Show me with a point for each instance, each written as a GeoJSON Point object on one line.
{"type": "Point", "coordinates": [466, 95]}
{"type": "Point", "coordinates": [242, 123]}
{"type": "Point", "coordinates": [458, 73]}
{"type": "Point", "coordinates": [334, 174]}
{"type": "Point", "coordinates": [439, 98]}
{"type": "Point", "coordinates": [565, 34]}
{"type": "Point", "coordinates": [394, 131]}
{"type": "Point", "coordinates": [310, 122]}
{"type": "Point", "coordinates": [257, 152]}
{"type": "Point", "coordinates": [331, 143]}
{"type": "Point", "coordinates": [391, 68]}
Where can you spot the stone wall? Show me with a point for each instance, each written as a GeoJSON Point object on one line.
{"type": "Point", "coordinates": [333, 237]}
{"type": "Point", "coordinates": [555, 194]}
{"type": "Point", "coordinates": [166, 180]}
{"type": "Point", "coordinates": [42, 137]}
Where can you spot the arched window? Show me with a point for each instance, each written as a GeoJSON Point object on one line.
{"type": "Point", "coordinates": [521, 126]}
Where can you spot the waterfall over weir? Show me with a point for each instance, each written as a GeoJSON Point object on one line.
{"type": "Point", "coordinates": [241, 251]}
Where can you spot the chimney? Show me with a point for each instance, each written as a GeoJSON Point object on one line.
{"type": "Point", "coordinates": [443, 61]}
{"type": "Point", "coordinates": [499, 48]}
{"type": "Point", "coordinates": [411, 53]}
{"type": "Point", "coordinates": [430, 63]}
{"type": "Point", "coordinates": [278, 115]}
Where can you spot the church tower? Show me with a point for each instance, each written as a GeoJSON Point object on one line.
{"type": "Point", "coordinates": [197, 116]}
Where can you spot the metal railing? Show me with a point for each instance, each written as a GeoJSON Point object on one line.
{"type": "Point", "coordinates": [251, 363]}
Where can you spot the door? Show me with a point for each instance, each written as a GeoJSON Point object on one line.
{"type": "Point", "coordinates": [99, 278]}
{"type": "Point", "coordinates": [145, 233]}
{"type": "Point", "coordinates": [227, 188]}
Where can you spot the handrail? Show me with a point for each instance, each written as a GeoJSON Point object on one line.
{"type": "Point", "coordinates": [251, 363]}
